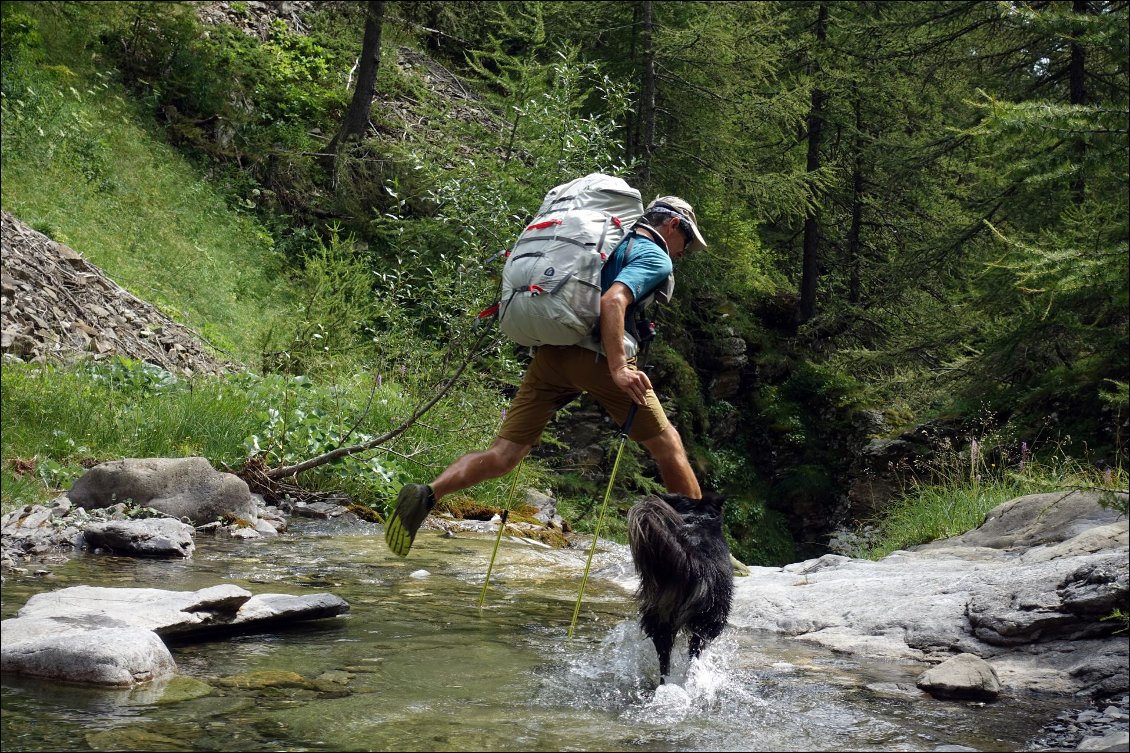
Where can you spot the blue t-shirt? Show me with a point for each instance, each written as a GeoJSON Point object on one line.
{"type": "Point", "coordinates": [648, 266]}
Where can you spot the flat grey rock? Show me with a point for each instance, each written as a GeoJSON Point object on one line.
{"type": "Point", "coordinates": [151, 537]}
{"type": "Point", "coordinates": [112, 636]}
{"type": "Point", "coordinates": [1030, 603]}
{"type": "Point", "coordinates": [52, 648]}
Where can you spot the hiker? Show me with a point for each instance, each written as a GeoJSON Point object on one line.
{"type": "Point", "coordinates": [559, 374]}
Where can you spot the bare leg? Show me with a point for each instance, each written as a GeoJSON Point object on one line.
{"type": "Point", "coordinates": [500, 458]}
{"type": "Point", "coordinates": [674, 468]}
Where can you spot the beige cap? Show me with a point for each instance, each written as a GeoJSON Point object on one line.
{"type": "Point", "coordinates": [675, 205]}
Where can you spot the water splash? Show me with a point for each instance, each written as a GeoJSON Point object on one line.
{"type": "Point", "coordinates": [609, 675]}
{"type": "Point", "coordinates": [699, 688]}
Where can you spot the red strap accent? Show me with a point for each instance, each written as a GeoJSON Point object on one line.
{"type": "Point", "coordinates": [543, 225]}
{"type": "Point", "coordinates": [488, 311]}
{"type": "Point", "coordinates": [616, 221]}
{"type": "Point", "coordinates": [535, 289]}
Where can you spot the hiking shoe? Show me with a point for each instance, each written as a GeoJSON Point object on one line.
{"type": "Point", "coordinates": [413, 504]}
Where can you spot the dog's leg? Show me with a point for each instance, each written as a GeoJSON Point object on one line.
{"type": "Point", "coordinates": [705, 628]}
{"type": "Point", "coordinates": [663, 640]}
{"type": "Point", "coordinates": [695, 644]}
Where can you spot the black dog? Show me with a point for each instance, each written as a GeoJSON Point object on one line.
{"type": "Point", "coordinates": [686, 575]}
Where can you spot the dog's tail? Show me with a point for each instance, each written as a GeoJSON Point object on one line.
{"type": "Point", "coordinates": [660, 552]}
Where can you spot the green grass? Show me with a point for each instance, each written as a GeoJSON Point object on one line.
{"type": "Point", "coordinates": [55, 421]}
{"type": "Point", "coordinates": [960, 496]}
{"type": "Point", "coordinates": [83, 166]}
{"type": "Point", "coordinates": [83, 163]}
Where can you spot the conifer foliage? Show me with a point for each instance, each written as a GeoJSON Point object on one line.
{"type": "Point", "coordinates": [916, 208]}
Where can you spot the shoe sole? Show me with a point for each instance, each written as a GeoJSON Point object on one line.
{"type": "Point", "coordinates": [398, 537]}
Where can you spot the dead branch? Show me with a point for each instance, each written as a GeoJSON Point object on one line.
{"type": "Point", "coordinates": [340, 452]}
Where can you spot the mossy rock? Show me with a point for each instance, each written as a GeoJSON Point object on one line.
{"type": "Point", "coordinates": [265, 679]}
{"type": "Point", "coordinates": [465, 508]}
{"type": "Point", "coordinates": [549, 536]}
{"type": "Point", "coordinates": [133, 738]}
{"type": "Point", "coordinates": [183, 688]}
{"type": "Point", "coordinates": [366, 513]}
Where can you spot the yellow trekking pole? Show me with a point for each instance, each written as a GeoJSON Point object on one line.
{"type": "Point", "coordinates": [600, 518]}
{"type": "Point", "coordinates": [501, 528]}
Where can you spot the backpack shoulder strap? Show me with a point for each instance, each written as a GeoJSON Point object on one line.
{"type": "Point", "coordinates": [664, 290]}
{"type": "Point", "coordinates": [653, 234]}
{"type": "Point", "coordinates": [628, 248]}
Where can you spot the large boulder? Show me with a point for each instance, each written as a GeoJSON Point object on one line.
{"type": "Point", "coordinates": [94, 651]}
{"type": "Point", "coordinates": [962, 676]}
{"type": "Point", "coordinates": [182, 487]}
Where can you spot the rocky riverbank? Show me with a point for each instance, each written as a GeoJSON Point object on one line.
{"type": "Point", "coordinates": [1029, 595]}
{"type": "Point", "coordinates": [1022, 602]}
{"type": "Point", "coordinates": [1103, 724]}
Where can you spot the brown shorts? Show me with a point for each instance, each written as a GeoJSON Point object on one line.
{"type": "Point", "coordinates": [557, 376]}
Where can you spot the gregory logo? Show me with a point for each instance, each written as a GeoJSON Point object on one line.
{"type": "Point", "coordinates": [549, 272]}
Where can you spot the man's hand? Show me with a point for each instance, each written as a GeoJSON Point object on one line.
{"type": "Point", "coordinates": [632, 381]}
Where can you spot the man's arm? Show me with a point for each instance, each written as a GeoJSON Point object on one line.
{"type": "Point", "coordinates": [613, 308]}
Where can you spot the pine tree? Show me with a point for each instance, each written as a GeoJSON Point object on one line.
{"type": "Point", "coordinates": [1056, 148]}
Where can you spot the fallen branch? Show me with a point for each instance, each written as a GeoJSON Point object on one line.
{"type": "Point", "coordinates": [340, 452]}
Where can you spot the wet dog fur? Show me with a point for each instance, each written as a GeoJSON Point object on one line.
{"type": "Point", "coordinates": [686, 575]}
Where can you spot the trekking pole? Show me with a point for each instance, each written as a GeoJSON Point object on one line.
{"type": "Point", "coordinates": [501, 528]}
{"type": "Point", "coordinates": [600, 519]}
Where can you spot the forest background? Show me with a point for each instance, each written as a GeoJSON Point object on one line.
{"type": "Point", "coordinates": [917, 215]}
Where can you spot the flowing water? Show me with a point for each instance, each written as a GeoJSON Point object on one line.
{"type": "Point", "coordinates": [417, 666]}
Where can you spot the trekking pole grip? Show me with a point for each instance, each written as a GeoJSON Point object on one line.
{"type": "Point", "coordinates": [627, 427]}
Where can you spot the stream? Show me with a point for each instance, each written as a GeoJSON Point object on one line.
{"type": "Point", "coordinates": [416, 665]}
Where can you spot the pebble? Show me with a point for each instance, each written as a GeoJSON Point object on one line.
{"type": "Point", "coordinates": [1088, 728]}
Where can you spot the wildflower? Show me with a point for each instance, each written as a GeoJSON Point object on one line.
{"type": "Point", "coordinates": [1023, 455]}
{"type": "Point", "coordinates": [1108, 477]}
{"type": "Point", "coordinates": [380, 380]}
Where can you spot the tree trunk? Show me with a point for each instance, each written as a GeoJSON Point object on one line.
{"type": "Point", "coordinates": [853, 251]}
{"type": "Point", "coordinates": [632, 130]}
{"type": "Point", "coordinates": [357, 116]}
{"type": "Point", "coordinates": [810, 264]}
{"type": "Point", "coordinates": [1078, 95]}
{"type": "Point", "coordinates": [647, 90]}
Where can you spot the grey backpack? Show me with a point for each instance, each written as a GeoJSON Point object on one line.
{"type": "Point", "coordinates": [551, 279]}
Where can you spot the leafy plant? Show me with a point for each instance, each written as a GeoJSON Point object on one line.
{"type": "Point", "coordinates": [1121, 617]}
{"type": "Point", "coordinates": [298, 429]}
{"type": "Point", "coordinates": [336, 317]}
